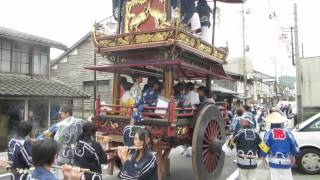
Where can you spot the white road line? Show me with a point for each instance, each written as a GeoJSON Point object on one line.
{"type": "Point", "coordinates": [5, 175]}
{"type": "Point", "coordinates": [234, 175]}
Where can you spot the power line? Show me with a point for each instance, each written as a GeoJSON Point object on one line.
{"type": "Point", "coordinates": [274, 15]}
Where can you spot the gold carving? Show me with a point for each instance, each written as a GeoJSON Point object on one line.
{"type": "Point", "coordinates": [188, 40]}
{"type": "Point", "coordinates": [140, 18]}
{"type": "Point", "coordinates": [159, 17]}
{"type": "Point", "coordinates": [205, 48]}
{"type": "Point", "coordinates": [133, 21]}
{"type": "Point", "coordinates": [160, 36]}
{"type": "Point", "coordinates": [164, 35]}
{"type": "Point", "coordinates": [123, 40]}
{"type": "Point", "coordinates": [143, 38]}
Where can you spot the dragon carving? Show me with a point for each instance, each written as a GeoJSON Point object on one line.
{"type": "Point", "coordinates": [136, 20]}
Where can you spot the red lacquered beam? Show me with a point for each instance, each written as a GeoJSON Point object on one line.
{"type": "Point", "coordinates": [153, 114]}
{"type": "Point", "coordinates": [185, 115]}
{"type": "Point", "coordinates": [160, 108]}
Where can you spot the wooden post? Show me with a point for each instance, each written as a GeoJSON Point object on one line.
{"type": "Point", "coordinates": [98, 105]}
{"type": "Point", "coordinates": [208, 82]}
{"type": "Point", "coordinates": [168, 82]}
{"type": "Point", "coordinates": [116, 89]}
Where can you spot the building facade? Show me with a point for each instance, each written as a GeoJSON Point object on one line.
{"type": "Point", "coordinates": [69, 68]}
{"type": "Point", "coordinates": [310, 85]}
{"type": "Point", "coordinates": [26, 90]}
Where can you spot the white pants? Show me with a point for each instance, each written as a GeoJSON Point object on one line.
{"type": "Point", "coordinates": [247, 174]}
{"type": "Point", "coordinates": [206, 34]}
{"type": "Point", "coordinates": [195, 22]}
{"type": "Point", "coordinates": [281, 174]}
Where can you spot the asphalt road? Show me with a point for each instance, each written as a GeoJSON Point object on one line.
{"type": "Point", "coordinates": [181, 169]}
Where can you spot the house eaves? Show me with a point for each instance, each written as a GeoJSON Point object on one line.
{"type": "Point", "coordinates": [74, 46]}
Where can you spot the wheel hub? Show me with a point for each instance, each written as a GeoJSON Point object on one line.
{"type": "Point", "coordinates": [311, 162]}
{"type": "Point", "coordinates": [216, 145]}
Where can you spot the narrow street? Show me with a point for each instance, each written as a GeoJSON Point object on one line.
{"type": "Point", "coordinates": [181, 168]}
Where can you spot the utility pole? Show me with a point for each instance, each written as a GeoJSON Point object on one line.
{"type": "Point", "coordinates": [275, 79]}
{"type": "Point", "coordinates": [244, 55]}
{"type": "Point", "coordinates": [214, 20]}
{"type": "Point", "coordinates": [297, 56]}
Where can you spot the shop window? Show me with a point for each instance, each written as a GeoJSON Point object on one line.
{"type": "Point", "coordinates": [38, 114]}
{"type": "Point", "coordinates": [11, 113]}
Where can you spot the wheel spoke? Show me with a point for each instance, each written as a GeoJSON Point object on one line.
{"type": "Point", "coordinates": [210, 162]}
{"type": "Point", "coordinates": [210, 130]}
{"type": "Point", "coordinates": [206, 140]}
{"type": "Point", "coordinates": [205, 151]}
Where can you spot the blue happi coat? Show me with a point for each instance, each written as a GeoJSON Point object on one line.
{"type": "Point", "coordinates": [144, 169]}
{"type": "Point", "coordinates": [150, 96]}
{"type": "Point", "coordinates": [90, 155]}
{"type": "Point", "coordinates": [19, 153]}
{"type": "Point", "coordinates": [282, 145]}
{"type": "Point", "coordinates": [41, 173]}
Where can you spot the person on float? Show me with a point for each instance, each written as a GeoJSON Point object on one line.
{"type": "Point", "coordinates": [180, 94]}
{"type": "Point", "coordinates": [192, 97]}
{"type": "Point", "coordinates": [19, 151]}
{"type": "Point", "coordinates": [88, 153]}
{"type": "Point", "coordinates": [136, 91]}
{"type": "Point", "coordinates": [123, 82]}
{"type": "Point", "coordinates": [204, 12]}
{"type": "Point", "coordinates": [202, 94]}
{"type": "Point", "coordinates": [142, 165]}
{"type": "Point", "coordinates": [281, 148]}
{"type": "Point", "coordinates": [151, 94]}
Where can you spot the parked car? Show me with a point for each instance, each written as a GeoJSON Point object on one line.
{"type": "Point", "coordinates": [307, 135]}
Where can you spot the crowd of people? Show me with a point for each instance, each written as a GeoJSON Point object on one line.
{"type": "Point", "coordinates": [70, 147]}
{"type": "Point", "coordinates": [277, 148]}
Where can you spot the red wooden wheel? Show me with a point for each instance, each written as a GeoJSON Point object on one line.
{"type": "Point", "coordinates": [208, 138]}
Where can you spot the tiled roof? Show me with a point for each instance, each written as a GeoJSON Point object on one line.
{"type": "Point", "coordinates": [17, 35]}
{"type": "Point", "coordinates": [25, 86]}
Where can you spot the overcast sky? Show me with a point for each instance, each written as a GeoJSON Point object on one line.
{"type": "Point", "coordinates": [67, 21]}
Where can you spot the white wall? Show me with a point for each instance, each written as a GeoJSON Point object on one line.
{"type": "Point", "coordinates": [310, 81]}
